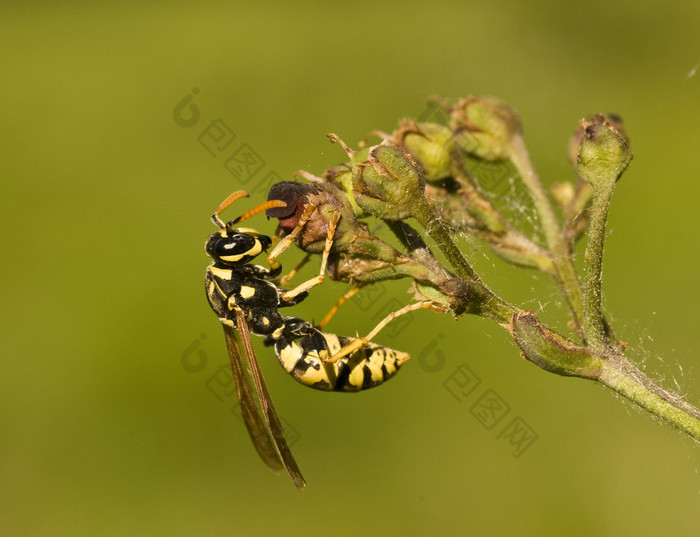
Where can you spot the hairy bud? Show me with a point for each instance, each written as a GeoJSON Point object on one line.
{"type": "Point", "coordinates": [430, 144]}
{"type": "Point", "coordinates": [484, 126]}
{"type": "Point", "coordinates": [603, 152]}
{"type": "Point", "coordinates": [389, 184]}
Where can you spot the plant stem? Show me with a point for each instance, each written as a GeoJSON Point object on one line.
{"type": "Point", "coordinates": [556, 354]}
{"type": "Point", "coordinates": [556, 242]}
{"type": "Point", "coordinates": [551, 351]}
{"type": "Point", "coordinates": [439, 232]}
{"type": "Point", "coordinates": [593, 326]}
{"type": "Point", "coordinates": [627, 380]}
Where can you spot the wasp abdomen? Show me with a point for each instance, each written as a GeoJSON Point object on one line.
{"type": "Point", "coordinates": [306, 360]}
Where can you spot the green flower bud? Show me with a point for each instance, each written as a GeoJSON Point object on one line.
{"type": "Point", "coordinates": [603, 149]}
{"type": "Point", "coordinates": [356, 254]}
{"type": "Point", "coordinates": [563, 193]}
{"type": "Point", "coordinates": [341, 176]}
{"type": "Point", "coordinates": [351, 237]}
{"type": "Point", "coordinates": [612, 120]}
{"type": "Point", "coordinates": [484, 126]}
{"type": "Point", "coordinates": [355, 156]}
{"type": "Point", "coordinates": [430, 144]}
{"type": "Point", "coordinates": [389, 184]}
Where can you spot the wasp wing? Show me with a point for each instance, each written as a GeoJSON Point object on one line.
{"type": "Point", "coordinates": [254, 420]}
{"type": "Point", "coordinates": [264, 427]}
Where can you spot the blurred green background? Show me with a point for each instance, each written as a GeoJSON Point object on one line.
{"type": "Point", "coordinates": [105, 208]}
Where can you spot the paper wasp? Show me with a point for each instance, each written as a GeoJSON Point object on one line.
{"type": "Point", "coordinates": [247, 300]}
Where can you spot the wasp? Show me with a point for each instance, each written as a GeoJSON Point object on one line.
{"type": "Point", "coordinates": [247, 300]}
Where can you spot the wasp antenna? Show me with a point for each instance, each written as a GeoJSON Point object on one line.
{"type": "Point", "coordinates": [256, 210]}
{"type": "Point", "coordinates": [224, 205]}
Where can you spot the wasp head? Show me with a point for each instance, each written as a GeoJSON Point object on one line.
{"type": "Point", "coordinates": [236, 246]}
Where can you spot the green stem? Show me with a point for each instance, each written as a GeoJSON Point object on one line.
{"type": "Point", "coordinates": [556, 242]}
{"type": "Point", "coordinates": [482, 301]}
{"type": "Point", "coordinates": [556, 354]}
{"type": "Point", "coordinates": [593, 325]}
{"type": "Point", "coordinates": [487, 304]}
{"type": "Point", "coordinates": [439, 232]}
{"type": "Point", "coordinates": [627, 380]}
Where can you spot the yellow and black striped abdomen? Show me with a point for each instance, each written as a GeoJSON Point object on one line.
{"type": "Point", "coordinates": [365, 368]}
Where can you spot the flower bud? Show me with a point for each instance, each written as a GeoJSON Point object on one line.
{"type": "Point", "coordinates": [484, 126]}
{"type": "Point", "coordinates": [563, 193]}
{"type": "Point", "coordinates": [612, 120]}
{"type": "Point", "coordinates": [603, 151]}
{"type": "Point", "coordinates": [430, 144]}
{"type": "Point", "coordinates": [341, 176]}
{"type": "Point", "coordinates": [389, 184]}
{"type": "Point", "coordinates": [351, 237]}
{"type": "Point", "coordinates": [327, 198]}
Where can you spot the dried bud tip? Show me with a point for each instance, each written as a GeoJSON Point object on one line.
{"type": "Point", "coordinates": [327, 199]}
{"type": "Point", "coordinates": [296, 196]}
{"type": "Point", "coordinates": [334, 138]}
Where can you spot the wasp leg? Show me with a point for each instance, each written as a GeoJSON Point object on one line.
{"type": "Point", "coordinates": [337, 305]}
{"type": "Point", "coordinates": [358, 343]}
{"type": "Point", "coordinates": [289, 239]}
{"type": "Point", "coordinates": [284, 280]}
{"type": "Point", "coordinates": [288, 295]}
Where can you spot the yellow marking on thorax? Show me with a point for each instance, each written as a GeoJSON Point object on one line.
{"type": "Point", "coordinates": [223, 274]}
{"type": "Point", "coordinates": [247, 291]}
{"type": "Point", "coordinates": [216, 285]}
{"type": "Point", "coordinates": [277, 333]}
{"type": "Point", "coordinates": [211, 288]}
